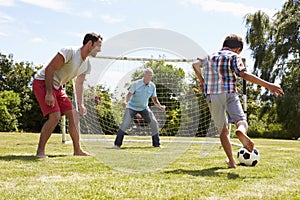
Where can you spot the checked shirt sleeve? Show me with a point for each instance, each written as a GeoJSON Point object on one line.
{"type": "Point", "coordinates": [237, 65]}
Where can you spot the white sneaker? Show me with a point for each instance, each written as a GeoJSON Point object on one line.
{"type": "Point", "coordinates": [116, 147]}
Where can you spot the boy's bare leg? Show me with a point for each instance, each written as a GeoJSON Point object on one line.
{"type": "Point", "coordinates": [46, 132]}
{"type": "Point", "coordinates": [240, 132]}
{"type": "Point", "coordinates": [225, 141]}
{"type": "Point", "coordinates": [75, 133]}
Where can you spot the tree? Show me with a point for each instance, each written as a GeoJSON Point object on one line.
{"type": "Point", "coordinates": [17, 77]}
{"type": "Point", "coordinates": [275, 46]}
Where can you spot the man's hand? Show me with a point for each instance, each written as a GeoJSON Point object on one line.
{"type": "Point", "coordinates": [49, 100]}
{"type": "Point", "coordinates": [162, 107]}
{"type": "Point", "coordinates": [82, 109]}
{"type": "Point", "coordinates": [124, 104]}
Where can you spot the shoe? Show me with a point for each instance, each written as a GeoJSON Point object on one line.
{"type": "Point", "coordinates": [155, 140]}
{"type": "Point", "coordinates": [116, 147]}
{"type": "Point", "coordinates": [161, 147]}
{"type": "Point", "coordinates": [41, 156]}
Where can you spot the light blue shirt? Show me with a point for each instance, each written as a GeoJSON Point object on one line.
{"type": "Point", "coordinates": [141, 94]}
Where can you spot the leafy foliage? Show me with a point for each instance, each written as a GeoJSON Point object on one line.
{"type": "Point", "coordinates": [9, 110]}
{"type": "Point", "coordinates": [17, 77]}
{"type": "Point", "coordinates": [100, 117]}
{"type": "Point", "coordinates": [276, 50]}
{"type": "Point", "coordinates": [289, 106]}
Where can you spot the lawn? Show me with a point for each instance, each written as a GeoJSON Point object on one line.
{"type": "Point", "coordinates": [181, 170]}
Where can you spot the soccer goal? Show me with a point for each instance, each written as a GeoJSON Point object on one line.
{"type": "Point", "coordinates": [187, 112]}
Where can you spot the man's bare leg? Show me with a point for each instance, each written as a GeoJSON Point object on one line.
{"type": "Point", "coordinates": [46, 132]}
{"type": "Point", "coordinates": [74, 130]}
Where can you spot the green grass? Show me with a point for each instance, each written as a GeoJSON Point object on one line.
{"type": "Point", "coordinates": [184, 174]}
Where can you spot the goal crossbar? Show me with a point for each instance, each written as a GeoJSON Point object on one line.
{"type": "Point", "coordinates": [145, 59]}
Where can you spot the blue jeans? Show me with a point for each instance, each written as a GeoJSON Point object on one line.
{"type": "Point", "coordinates": [148, 117]}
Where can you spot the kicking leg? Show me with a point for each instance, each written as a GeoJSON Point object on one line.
{"type": "Point", "coordinates": [240, 132]}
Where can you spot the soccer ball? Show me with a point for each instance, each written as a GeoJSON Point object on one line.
{"type": "Point", "coordinates": [246, 158]}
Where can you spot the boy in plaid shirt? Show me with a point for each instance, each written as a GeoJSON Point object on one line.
{"type": "Point", "coordinates": [219, 86]}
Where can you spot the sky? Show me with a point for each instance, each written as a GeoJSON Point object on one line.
{"type": "Point", "coordinates": [34, 30]}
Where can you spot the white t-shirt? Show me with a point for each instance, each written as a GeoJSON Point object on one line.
{"type": "Point", "coordinates": [74, 66]}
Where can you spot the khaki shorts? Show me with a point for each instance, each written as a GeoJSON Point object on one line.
{"type": "Point", "coordinates": [224, 105]}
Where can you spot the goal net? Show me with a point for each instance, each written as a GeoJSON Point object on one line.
{"type": "Point", "coordinates": [186, 111]}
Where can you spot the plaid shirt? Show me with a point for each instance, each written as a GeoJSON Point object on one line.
{"type": "Point", "coordinates": [221, 70]}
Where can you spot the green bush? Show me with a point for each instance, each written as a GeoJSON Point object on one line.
{"type": "Point", "coordinates": [9, 110]}
{"type": "Point", "coordinates": [262, 129]}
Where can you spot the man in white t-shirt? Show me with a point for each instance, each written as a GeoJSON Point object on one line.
{"type": "Point", "coordinates": [68, 63]}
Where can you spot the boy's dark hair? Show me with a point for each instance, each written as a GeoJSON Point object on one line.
{"type": "Point", "coordinates": [91, 36]}
{"type": "Point", "coordinates": [233, 41]}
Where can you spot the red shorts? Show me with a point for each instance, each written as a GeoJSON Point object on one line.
{"type": "Point", "coordinates": [62, 101]}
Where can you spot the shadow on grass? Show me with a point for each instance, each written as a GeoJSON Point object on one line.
{"type": "Point", "coordinates": [136, 147]}
{"type": "Point", "coordinates": [27, 157]}
{"type": "Point", "coordinates": [211, 172]}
